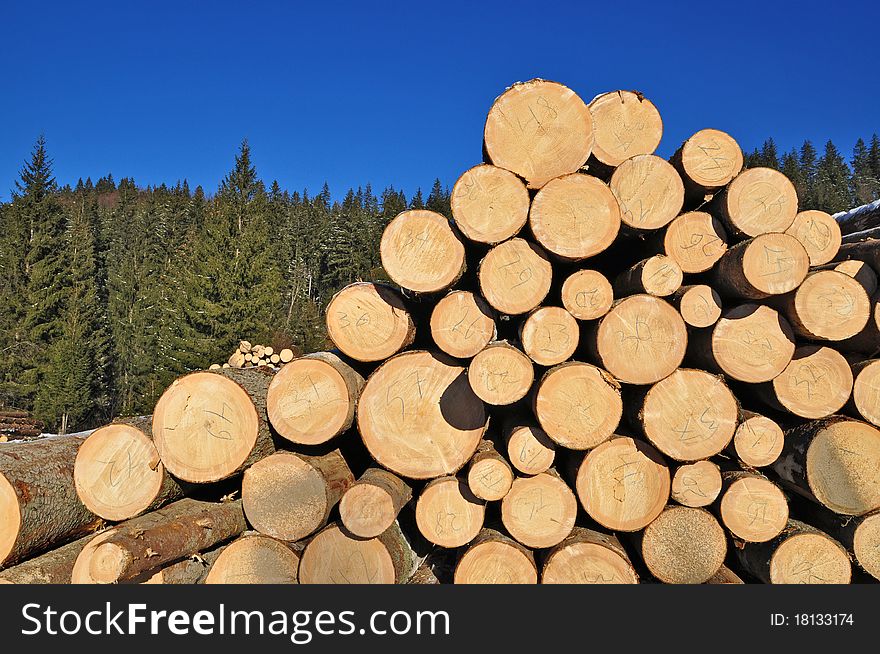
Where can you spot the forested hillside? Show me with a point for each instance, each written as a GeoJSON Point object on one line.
{"type": "Point", "coordinates": [111, 290]}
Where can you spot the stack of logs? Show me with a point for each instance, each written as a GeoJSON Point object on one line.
{"type": "Point", "coordinates": [18, 425]}
{"type": "Point", "coordinates": [247, 355]}
{"type": "Point", "coordinates": [608, 368]}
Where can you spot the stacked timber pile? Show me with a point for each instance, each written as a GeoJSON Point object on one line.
{"type": "Point", "coordinates": [247, 355]}
{"type": "Point", "coordinates": [860, 223]}
{"type": "Point", "coordinates": [18, 425]}
{"type": "Point", "coordinates": [609, 368]}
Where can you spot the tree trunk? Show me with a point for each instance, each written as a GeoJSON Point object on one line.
{"type": "Point", "coordinates": [255, 559]}
{"type": "Point", "coordinates": [118, 473]}
{"type": "Point", "coordinates": [161, 537]}
{"type": "Point", "coordinates": [752, 507]}
{"type": "Point", "coordinates": [816, 384]}
{"type": "Point", "coordinates": [462, 324]}
{"type": "Point", "coordinates": [827, 306]}
{"type": "Point", "coordinates": [865, 400]}
{"type": "Point", "coordinates": [766, 265]}
{"type": "Point", "coordinates": [588, 557]}
{"type": "Point", "coordinates": [39, 507]}
{"type": "Point", "coordinates": [515, 276]}
{"type": "Point", "coordinates": [313, 399]}
{"type": "Point", "coordinates": [819, 233]}
{"type": "Point", "coordinates": [539, 511]}
{"type": "Point", "coordinates": [707, 161]}
{"type": "Point", "coordinates": [538, 130]}
{"type": "Point", "coordinates": [500, 374]}
{"type": "Point", "coordinates": [649, 190]}
{"type": "Point", "coordinates": [623, 484]}
{"type": "Point", "coordinates": [289, 496]}
{"type": "Point", "coordinates": [758, 440]}
{"type": "Point", "coordinates": [801, 554]}
{"type": "Point", "coordinates": [369, 322]}
{"type": "Point", "coordinates": [867, 251]}
{"type": "Point", "coordinates": [641, 340]}
{"type": "Point", "coordinates": [575, 217]}
{"type": "Point", "coordinates": [859, 271]}
{"type": "Point", "coordinates": [625, 123]}
{"type": "Point", "coordinates": [758, 201]}
{"type": "Point", "coordinates": [333, 557]}
{"type": "Point", "coordinates": [53, 567]}
{"type": "Point", "coordinates": [699, 305]}
{"type": "Point", "coordinates": [209, 426]}
{"type": "Point", "coordinates": [193, 570]}
{"type": "Point", "coordinates": [489, 475]}
{"type": "Point", "coordinates": [860, 535]}
{"type": "Point", "coordinates": [493, 558]}
{"type": "Point", "coordinates": [684, 545]}
{"type": "Point", "coordinates": [371, 505]}
{"type": "Point", "coordinates": [529, 448]}
{"type": "Point", "coordinates": [489, 204]}
{"type": "Point", "coordinates": [659, 276]}
{"type": "Point", "coordinates": [549, 335]}
{"type": "Point", "coordinates": [587, 295]}
{"type": "Point", "coordinates": [696, 484]}
{"type": "Point", "coordinates": [421, 252]}
{"type": "Point", "coordinates": [689, 415]}
{"type": "Point", "coordinates": [448, 514]}
{"type": "Point", "coordinates": [578, 405]}
{"type": "Point", "coordinates": [835, 462]}
{"type": "Point", "coordinates": [419, 417]}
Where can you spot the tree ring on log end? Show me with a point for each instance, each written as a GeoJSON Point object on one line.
{"type": "Point", "coordinates": [843, 467]}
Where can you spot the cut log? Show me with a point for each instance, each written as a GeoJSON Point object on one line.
{"type": "Point", "coordinates": [867, 251]}
{"type": "Point", "coordinates": [419, 417]}
{"type": "Point", "coordinates": [369, 322]}
{"type": "Point", "coordinates": [578, 405]}
{"type": "Point", "coordinates": [489, 204]}
{"type": "Point", "coordinates": [707, 161]}
{"type": "Point", "coordinates": [725, 576]}
{"type": "Point", "coordinates": [493, 558]}
{"type": "Point", "coordinates": [835, 462]}
{"type": "Point", "coordinates": [752, 507]}
{"type": "Point", "coordinates": [209, 426]}
{"type": "Point", "coordinates": [658, 275]}
{"type": "Point", "coordinates": [623, 484]}
{"type": "Point", "coordinates": [689, 415]}
{"type": "Point", "coordinates": [817, 383]}
{"type": "Point", "coordinates": [118, 473]}
{"type": "Point", "coordinates": [695, 241]}
{"type": "Point", "coordinates": [641, 340]}
{"type": "Point", "coordinates": [334, 557]}
{"type": "Point", "coordinates": [649, 190]}
{"type": "Point", "coordinates": [696, 484]}
{"type": "Point", "coordinates": [275, 359]}
{"type": "Point", "coordinates": [819, 233]}
{"type": "Point", "coordinates": [53, 567]}
{"type": "Point", "coordinates": [801, 554]}
{"type": "Point", "coordinates": [827, 306]}
{"type": "Point", "coordinates": [237, 360]}
{"type": "Point", "coordinates": [549, 335]}
{"type": "Point", "coordinates": [501, 374]}
{"type": "Point", "coordinates": [489, 476]}
{"type": "Point", "coordinates": [539, 511]}
{"type": "Point", "coordinates": [575, 216]}
{"type": "Point", "coordinates": [758, 440]}
{"type": "Point", "coordinates": [858, 270]}
{"type": "Point", "coordinates": [758, 201]}
{"type": "Point", "coordinates": [625, 123]}
{"type": "Point", "coordinates": [588, 557]}
{"type": "Point", "coordinates": [371, 505]}
{"type": "Point", "coordinates": [865, 401]}
{"type": "Point", "coordinates": [684, 545]}
{"type": "Point", "coordinates": [39, 507]}
{"type": "Point", "coordinates": [768, 264]}
{"type": "Point", "coordinates": [244, 347]}
{"type": "Point", "coordinates": [286, 355]}
{"type": "Point", "coordinates": [313, 398]}
{"type": "Point", "coordinates": [515, 276]}
{"type": "Point", "coordinates": [255, 559]}
{"type": "Point", "coordinates": [289, 496]}
{"type": "Point", "coordinates": [539, 130]}
{"type": "Point", "coordinates": [699, 305]}
{"type": "Point", "coordinates": [462, 324]}
{"type": "Point", "coordinates": [859, 535]}
{"type": "Point", "coordinates": [529, 448]}
{"type": "Point", "coordinates": [421, 252]}
{"type": "Point", "coordinates": [153, 540]}
{"type": "Point", "coordinates": [750, 343]}
{"type": "Point", "coordinates": [193, 570]}
{"type": "Point", "coordinates": [587, 294]}
{"type": "Point", "coordinates": [867, 341]}
{"type": "Point", "coordinates": [448, 514]}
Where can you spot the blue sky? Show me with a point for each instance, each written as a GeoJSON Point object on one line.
{"type": "Point", "coordinates": [396, 93]}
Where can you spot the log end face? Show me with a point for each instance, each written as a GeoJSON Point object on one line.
{"type": "Point", "coordinates": [539, 511]}
{"type": "Point", "coordinates": [490, 479]}
{"type": "Point", "coordinates": [761, 201]}
{"type": "Point", "coordinates": [866, 545]}
{"type": "Point", "coordinates": [448, 514]}
{"type": "Point", "coordinates": [495, 562]}
{"type": "Point", "coordinates": [866, 392]}
{"type": "Point", "coordinates": [711, 158]}
{"type": "Point", "coordinates": [754, 509]}
{"type": "Point", "coordinates": [108, 563]}
{"type": "Point", "coordinates": [368, 322]}
{"type": "Point", "coordinates": [819, 233]}
{"type": "Point", "coordinates": [684, 546]}
{"type": "Point", "coordinates": [753, 343]}
{"type": "Point", "coordinates": [625, 124]}
{"type": "Point", "coordinates": [10, 518]}
{"type": "Point", "coordinates": [587, 563]}
{"type": "Point", "coordinates": [649, 190]}
{"type": "Point", "coordinates": [810, 558]}
{"type": "Point", "coordinates": [587, 295]}
{"type": "Point", "coordinates": [489, 204]}
{"type": "Point", "coordinates": [255, 559]}
{"type": "Point", "coordinates": [696, 484]}
{"type": "Point", "coordinates": [843, 467]}
{"type": "Point", "coordinates": [500, 375]}
{"type": "Point", "coordinates": [367, 510]}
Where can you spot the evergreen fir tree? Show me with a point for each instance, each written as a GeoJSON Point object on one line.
{"type": "Point", "coordinates": [438, 200]}
{"type": "Point", "coordinates": [864, 187]}
{"type": "Point", "coordinates": [807, 162]}
{"type": "Point", "coordinates": [769, 157]}
{"type": "Point", "coordinates": [417, 202]}
{"type": "Point", "coordinates": [832, 181]}
{"type": "Point", "coordinates": [791, 169]}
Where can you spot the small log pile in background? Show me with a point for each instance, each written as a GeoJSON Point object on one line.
{"type": "Point", "coordinates": [608, 368]}
{"type": "Point", "coordinates": [247, 355]}
{"type": "Point", "coordinates": [18, 425]}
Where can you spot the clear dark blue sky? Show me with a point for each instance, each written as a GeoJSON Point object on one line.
{"type": "Point", "coordinates": [396, 93]}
